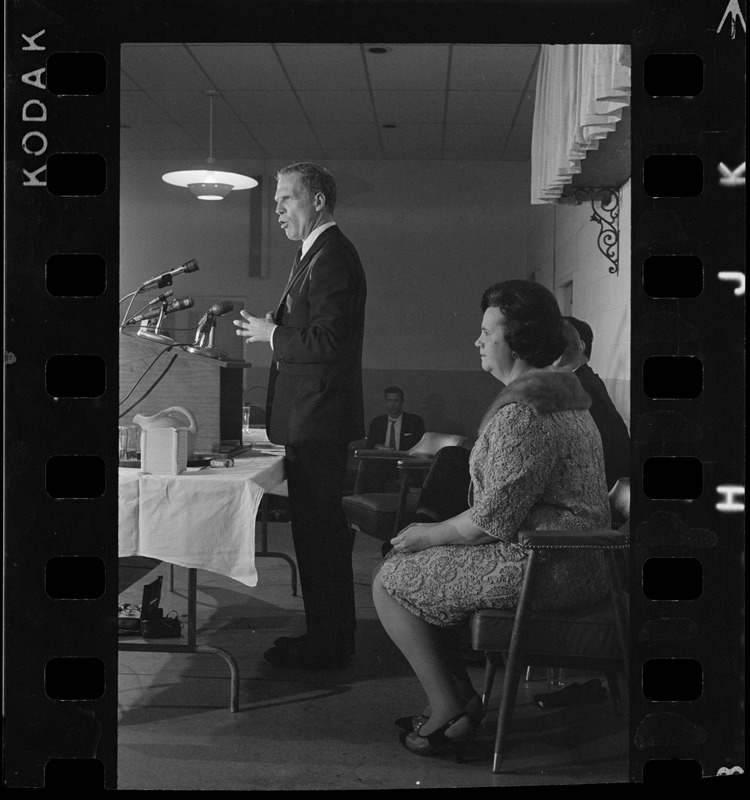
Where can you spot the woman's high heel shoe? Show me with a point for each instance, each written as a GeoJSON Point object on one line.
{"type": "Point", "coordinates": [437, 742]}
{"type": "Point", "coordinates": [409, 724]}
{"type": "Point", "coordinates": [474, 709]}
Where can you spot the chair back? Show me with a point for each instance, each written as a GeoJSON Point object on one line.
{"type": "Point", "coordinates": [619, 503]}
{"type": "Point", "coordinates": [383, 514]}
{"type": "Point", "coordinates": [431, 442]}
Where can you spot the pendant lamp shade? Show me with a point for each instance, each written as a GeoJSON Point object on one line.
{"type": "Point", "coordinates": [209, 183]}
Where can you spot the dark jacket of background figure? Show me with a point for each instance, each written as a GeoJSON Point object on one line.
{"type": "Point", "coordinates": [315, 385]}
{"type": "Point", "coordinates": [412, 430]}
{"type": "Point", "coordinates": [612, 427]}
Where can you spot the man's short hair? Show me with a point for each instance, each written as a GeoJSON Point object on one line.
{"type": "Point", "coordinates": [585, 332]}
{"type": "Point", "coordinates": [395, 390]}
{"type": "Point", "coordinates": [314, 179]}
{"type": "Point", "coordinates": [572, 352]}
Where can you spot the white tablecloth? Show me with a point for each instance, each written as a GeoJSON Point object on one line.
{"type": "Point", "coordinates": [201, 518]}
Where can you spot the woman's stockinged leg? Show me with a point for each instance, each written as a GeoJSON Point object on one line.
{"type": "Point", "coordinates": [451, 643]}
{"type": "Point", "coordinates": [421, 645]}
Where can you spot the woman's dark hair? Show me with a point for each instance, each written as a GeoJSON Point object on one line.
{"type": "Point", "coordinates": [314, 179]}
{"type": "Point", "coordinates": [533, 322]}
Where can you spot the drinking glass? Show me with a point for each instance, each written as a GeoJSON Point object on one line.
{"type": "Point", "coordinates": [130, 442]}
{"type": "Point", "coordinates": [555, 677]}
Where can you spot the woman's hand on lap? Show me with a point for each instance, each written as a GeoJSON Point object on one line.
{"type": "Point", "coordinates": [413, 538]}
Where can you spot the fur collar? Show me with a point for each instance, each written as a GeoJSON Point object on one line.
{"type": "Point", "coordinates": [543, 391]}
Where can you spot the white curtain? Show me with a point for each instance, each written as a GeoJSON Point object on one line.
{"type": "Point", "coordinates": [581, 90]}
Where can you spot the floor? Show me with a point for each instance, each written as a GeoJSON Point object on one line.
{"type": "Point", "coordinates": [321, 730]}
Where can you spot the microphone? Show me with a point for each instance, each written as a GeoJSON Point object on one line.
{"type": "Point", "coordinates": [204, 333]}
{"type": "Point", "coordinates": [216, 310]}
{"type": "Point", "coordinates": [219, 309]}
{"type": "Point", "coordinates": [175, 305]}
{"type": "Point", "coordinates": [165, 279]}
{"type": "Point", "coordinates": [160, 298]}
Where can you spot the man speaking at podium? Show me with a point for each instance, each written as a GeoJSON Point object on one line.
{"type": "Point", "coordinates": [315, 407]}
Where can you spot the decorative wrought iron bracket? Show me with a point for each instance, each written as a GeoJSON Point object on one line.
{"type": "Point", "coordinates": [607, 216]}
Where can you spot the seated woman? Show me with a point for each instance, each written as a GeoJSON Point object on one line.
{"type": "Point", "coordinates": [537, 464]}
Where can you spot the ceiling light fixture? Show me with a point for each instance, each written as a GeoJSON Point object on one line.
{"type": "Point", "coordinates": [209, 184]}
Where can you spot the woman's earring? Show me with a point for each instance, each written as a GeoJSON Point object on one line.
{"type": "Point", "coordinates": [513, 355]}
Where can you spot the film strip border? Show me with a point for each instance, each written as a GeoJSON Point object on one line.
{"type": "Point", "coordinates": [687, 385]}
{"type": "Point", "coordinates": [60, 576]}
{"type": "Point", "coordinates": [687, 600]}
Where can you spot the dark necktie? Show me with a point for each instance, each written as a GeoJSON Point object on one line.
{"type": "Point", "coordinates": [392, 435]}
{"type": "Point", "coordinates": [297, 259]}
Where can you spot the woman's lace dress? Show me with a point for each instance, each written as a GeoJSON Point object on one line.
{"type": "Point", "coordinates": [529, 471]}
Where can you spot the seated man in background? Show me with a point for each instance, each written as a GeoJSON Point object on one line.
{"type": "Point", "coordinates": [612, 427]}
{"type": "Point", "coordinates": [586, 335]}
{"type": "Point", "coordinates": [396, 430]}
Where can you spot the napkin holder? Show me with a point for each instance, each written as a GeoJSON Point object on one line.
{"type": "Point", "coordinates": [164, 451]}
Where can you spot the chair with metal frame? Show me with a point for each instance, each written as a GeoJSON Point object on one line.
{"type": "Point", "coordinates": [383, 514]}
{"type": "Point", "coordinates": [593, 637]}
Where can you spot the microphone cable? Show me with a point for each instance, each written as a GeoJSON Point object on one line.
{"type": "Point", "coordinates": [127, 310]}
{"type": "Point", "coordinates": [140, 310]}
{"type": "Point", "coordinates": [145, 372]}
{"type": "Point", "coordinates": [143, 375]}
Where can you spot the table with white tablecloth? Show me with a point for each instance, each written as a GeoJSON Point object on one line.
{"type": "Point", "coordinates": [203, 518]}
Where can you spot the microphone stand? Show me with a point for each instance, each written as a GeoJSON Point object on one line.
{"type": "Point", "coordinates": [153, 331]}
{"type": "Point", "coordinates": [204, 340]}
{"type": "Point", "coordinates": [157, 283]}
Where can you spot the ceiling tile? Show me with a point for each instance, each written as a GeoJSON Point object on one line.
{"type": "Point", "coordinates": [462, 137]}
{"type": "Point", "coordinates": [127, 84]}
{"type": "Point", "coordinates": [290, 101]}
{"type": "Point", "coordinates": [410, 154]}
{"type": "Point", "coordinates": [130, 146]}
{"type": "Point", "coordinates": [403, 107]}
{"type": "Point", "coordinates": [162, 67]}
{"type": "Point", "coordinates": [265, 106]}
{"type": "Point", "coordinates": [409, 67]}
{"type": "Point", "coordinates": [343, 107]}
{"type": "Point", "coordinates": [493, 108]}
{"type": "Point", "coordinates": [168, 137]}
{"type": "Point", "coordinates": [229, 141]}
{"type": "Point", "coordinates": [412, 137]}
{"type": "Point", "coordinates": [473, 154]}
{"type": "Point", "coordinates": [361, 153]}
{"type": "Point", "coordinates": [348, 136]}
{"type": "Point", "coordinates": [494, 67]}
{"type": "Point", "coordinates": [311, 67]}
{"type": "Point", "coordinates": [194, 108]}
{"type": "Point", "coordinates": [247, 67]}
{"type": "Point", "coordinates": [137, 107]}
{"type": "Point", "coordinates": [285, 138]}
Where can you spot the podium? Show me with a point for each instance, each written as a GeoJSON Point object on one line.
{"type": "Point", "coordinates": [211, 389]}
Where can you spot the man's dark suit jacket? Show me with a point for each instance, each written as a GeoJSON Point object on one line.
{"type": "Point", "coordinates": [315, 385]}
{"type": "Point", "coordinates": [412, 430]}
{"type": "Point", "coordinates": [612, 427]}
